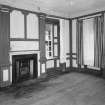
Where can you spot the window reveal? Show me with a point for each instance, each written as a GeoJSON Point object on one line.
{"type": "Point", "coordinates": [52, 40]}
{"type": "Point", "coordinates": [49, 41]}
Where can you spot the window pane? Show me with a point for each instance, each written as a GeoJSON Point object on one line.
{"type": "Point", "coordinates": [50, 54]}
{"type": "Point", "coordinates": [16, 24]}
{"type": "Point", "coordinates": [88, 41]}
{"type": "Point", "coordinates": [49, 48]}
{"type": "Point", "coordinates": [49, 41]}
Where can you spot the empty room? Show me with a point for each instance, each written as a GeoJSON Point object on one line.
{"type": "Point", "coordinates": [52, 52]}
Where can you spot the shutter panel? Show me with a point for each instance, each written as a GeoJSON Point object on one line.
{"type": "Point", "coordinates": [4, 37]}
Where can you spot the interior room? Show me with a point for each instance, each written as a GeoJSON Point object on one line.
{"type": "Point", "coordinates": [54, 50]}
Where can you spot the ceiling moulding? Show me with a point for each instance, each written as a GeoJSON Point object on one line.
{"type": "Point", "coordinates": [33, 8]}
{"type": "Point", "coordinates": [51, 12]}
{"type": "Point", "coordinates": [81, 13]}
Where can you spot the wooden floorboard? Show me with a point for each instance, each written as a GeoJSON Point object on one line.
{"type": "Point", "coordinates": [68, 89]}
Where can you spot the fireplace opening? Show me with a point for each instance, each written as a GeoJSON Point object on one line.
{"type": "Point", "coordinates": [24, 67]}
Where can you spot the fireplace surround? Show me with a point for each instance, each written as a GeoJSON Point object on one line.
{"type": "Point", "coordinates": [24, 67]}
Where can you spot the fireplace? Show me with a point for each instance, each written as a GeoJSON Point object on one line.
{"type": "Point", "coordinates": [24, 67]}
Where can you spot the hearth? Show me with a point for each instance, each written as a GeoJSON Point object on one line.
{"type": "Point", "coordinates": [24, 67]}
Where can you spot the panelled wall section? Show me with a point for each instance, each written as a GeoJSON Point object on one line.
{"type": "Point", "coordinates": [27, 34]}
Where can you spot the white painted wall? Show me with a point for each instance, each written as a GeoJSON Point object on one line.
{"type": "Point", "coordinates": [64, 40]}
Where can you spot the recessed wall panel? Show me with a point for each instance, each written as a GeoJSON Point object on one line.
{"type": "Point", "coordinates": [50, 64]}
{"type": "Point", "coordinates": [16, 24]}
{"type": "Point", "coordinates": [74, 63]}
{"type": "Point", "coordinates": [32, 26]}
{"type": "Point", "coordinates": [55, 50]}
{"type": "Point", "coordinates": [43, 68]}
{"type": "Point", "coordinates": [58, 63]}
{"type": "Point", "coordinates": [67, 63]}
{"type": "Point", "coordinates": [24, 45]}
{"type": "Point", "coordinates": [5, 75]}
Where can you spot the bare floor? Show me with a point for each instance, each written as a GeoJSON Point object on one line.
{"type": "Point", "coordinates": [69, 89]}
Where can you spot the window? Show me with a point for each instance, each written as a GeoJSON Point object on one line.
{"type": "Point", "coordinates": [88, 41]}
{"type": "Point", "coordinates": [52, 39]}
{"type": "Point", "coordinates": [56, 40]}
{"type": "Point", "coordinates": [49, 41]}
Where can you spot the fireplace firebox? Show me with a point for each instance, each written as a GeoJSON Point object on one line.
{"type": "Point", "coordinates": [24, 67]}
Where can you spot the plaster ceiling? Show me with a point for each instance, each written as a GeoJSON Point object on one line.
{"type": "Point", "coordinates": [65, 8]}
